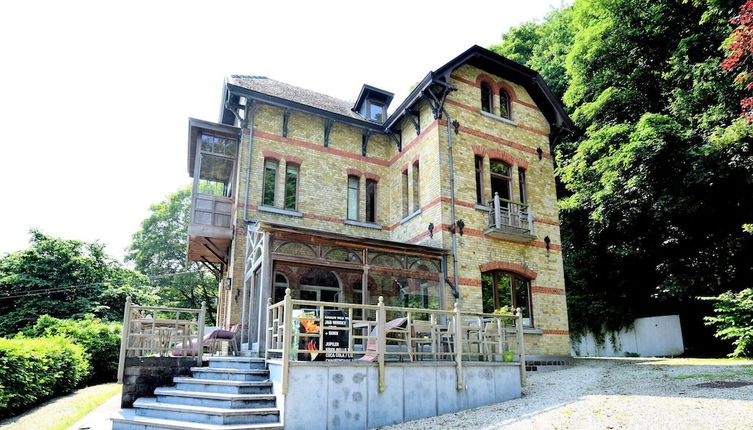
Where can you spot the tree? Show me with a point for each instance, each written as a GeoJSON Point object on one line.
{"type": "Point", "coordinates": [740, 54]}
{"type": "Point", "coordinates": [657, 181]}
{"type": "Point", "coordinates": [64, 279]}
{"type": "Point", "coordinates": [158, 250]}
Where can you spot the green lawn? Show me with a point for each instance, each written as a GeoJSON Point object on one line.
{"type": "Point", "coordinates": [59, 413]}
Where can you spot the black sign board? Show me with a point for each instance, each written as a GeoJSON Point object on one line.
{"type": "Point", "coordinates": [335, 336]}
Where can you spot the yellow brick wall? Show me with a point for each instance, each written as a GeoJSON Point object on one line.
{"type": "Point", "coordinates": [322, 196]}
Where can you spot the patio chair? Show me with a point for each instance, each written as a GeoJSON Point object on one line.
{"type": "Point", "coordinates": [493, 340]}
{"type": "Point", "coordinates": [422, 333]}
{"type": "Point", "coordinates": [215, 339]}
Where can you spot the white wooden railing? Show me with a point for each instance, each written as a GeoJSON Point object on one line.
{"type": "Point", "coordinates": [507, 213]}
{"type": "Point", "coordinates": [380, 333]}
{"type": "Point", "coordinates": [153, 331]}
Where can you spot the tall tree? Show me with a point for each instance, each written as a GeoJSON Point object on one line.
{"type": "Point", "coordinates": [158, 250]}
{"type": "Point", "coordinates": [65, 279]}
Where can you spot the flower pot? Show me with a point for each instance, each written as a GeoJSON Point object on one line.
{"type": "Point", "coordinates": [508, 356]}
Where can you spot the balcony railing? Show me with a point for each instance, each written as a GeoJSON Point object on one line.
{"type": "Point", "coordinates": [510, 219]}
{"type": "Point", "coordinates": [302, 330]}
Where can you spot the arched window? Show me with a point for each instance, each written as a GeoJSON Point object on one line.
{"type": "Point", "coordinates": [500, 179]}
{"type": "Point", "coordinates": [504, 104]}
{"type": "Point", "coordinates": [486, 97]}
{"type": "Point", "coordinates": [500, 289]}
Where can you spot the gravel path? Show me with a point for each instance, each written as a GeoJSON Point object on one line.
{"type": "Point", "coordinates": [619, 393]}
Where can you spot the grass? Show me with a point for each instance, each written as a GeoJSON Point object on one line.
{"type": "Point", "coordinates": [704, 362]}
{"type": "Point", "coordinates": [61, 412]}
{"type": "Point", "coordinates": [717, 376]}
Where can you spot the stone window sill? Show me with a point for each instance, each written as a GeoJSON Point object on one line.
{"type": "Point", "coordinates": [499, 118]}
{"type": "Point", "coordinates": [279, 211]}
{"type": "Point", "coordinates": [410, 217]}
{"type": "Point", "coordinates": [532, 330]}
{"type": "Point", "coordinates": [363, 224]}
{"type": "Point", "coordinates": [483, 207]}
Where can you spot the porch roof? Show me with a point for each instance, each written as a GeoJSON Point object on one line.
{"type": "Point", "coordinates": [354, 241]}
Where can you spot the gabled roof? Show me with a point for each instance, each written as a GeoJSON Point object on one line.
{"type": "Point", "coordinates": [497, 65]}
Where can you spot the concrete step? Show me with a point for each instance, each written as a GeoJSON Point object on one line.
{"type": "Point", "coordinates": [214, 400]}
{"type": "Point", "coordinates": [222, 386]}
{"type": "Point", "coordinates": [147, 423]}
{"type": "Point", "coordinates": [149, 407]}
{"type": "Point", "coordinates": [226, 374]}
{"type": "Point", "coordinates": [237, 362]}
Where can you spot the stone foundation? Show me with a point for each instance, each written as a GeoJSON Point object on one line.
{"type": "Point", "coordinates": [143, 374]}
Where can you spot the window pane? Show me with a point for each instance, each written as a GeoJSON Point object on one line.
{"type": "Point", "coordinates": [487, 293]}
{"type": "Point", "coordinates": [479, 162]}
{"type": "Point", "coordinates": [504, 289]}
{"type": "Point", "coordinates": [270, 174]}
{"type": "Point", "coordinates": [500, 186]}
{"type": "Point", "coordinates": [416, 188]}
{"type": "Point", "coordinates": [376, 112]}
{"type": "Point", "coordinates": [371, 201]}
{"type": "Point", "coordinates": [218, 145]}
{"type": "Point", "coordinates": [353, 197]}
{"type": "Point", "coordinates": [291, 186]}
{"type": "Point", "coordinates": [215, 176]}
{"type": "Point", "coordinates": [504, 104]}
{"type": "Point", "coordinates": [405, 194]}
{"type": "Point", "coordinates": [522, 184]}
{"type": "Point", "coordinates": [499, 167]}
{"type": "Point", "coordinates": [486, 98]}
{"type": "Point", "coordinates": [522, 300]}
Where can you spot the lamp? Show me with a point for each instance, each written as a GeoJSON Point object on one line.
{"type": "Point", "coordinates": [431, 229]}
{"type": "Point", "coordinates": [228, 284]}
{"type": "Point", "coordinates": [547, 241]}
{"type": "Point", "coordinates": [455, 125]}
{"type": "Point", "coordinates": [540, 152]}
{"type": "Point", "coordinates": [460, 224]}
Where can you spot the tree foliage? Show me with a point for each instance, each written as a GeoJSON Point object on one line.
{"type": "Point", "coordinates": [734, 320]}
{"type": "Point", "coordinates": [657, 181]}
{"type": "Point", "coordinates": [158, 250]}
{"type": "Point", "coordinates": [65, 279]}
{"type": "Point", "coordinates": [740, 54]}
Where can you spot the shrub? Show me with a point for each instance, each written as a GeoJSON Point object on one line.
{"type": "Point", "coordinates": [99, 338]}
{"type": "Point", "coordinates": [734, 320]}
{"type": "Point", "coordinates": [32, 370]}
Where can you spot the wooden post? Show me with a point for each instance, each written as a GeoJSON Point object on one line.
{"type": "Point", "coordinates": [381, 341]}
{"type": "Point", "coordinates": [270, 329]}
{"type": "Point", "coordinates": [200, 336]}
{"type": "Point", "coordinates": [497, 212]}
{"type": "Point", "coordinates": [458, 346]}
{"type": "Point", "coordinates": [126, 331]}
{"type": "Point", "coordinates": [287, 321]}
{"type": "Point", "coordinates": [521, 348]}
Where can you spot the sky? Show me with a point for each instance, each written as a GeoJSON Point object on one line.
{"type": "Point", "coordinates": [95, 96]}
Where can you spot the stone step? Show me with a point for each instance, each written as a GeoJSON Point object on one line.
{"type": "Point", "coordinates": [237, 362]}
{"type": "Point", "coordinates": [149, 407]}
{"type": "Point", "coordinates": [227, 374]}
{"type": "Point", "coordinates": [147, 423]}
{"type": "Point", "coordinates": [214, 400]}
{"type": "Point", "coordinates": [222, 386]}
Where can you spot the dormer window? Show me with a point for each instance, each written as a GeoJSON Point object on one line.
{"type": "Point", "coordinates": [372, 104]}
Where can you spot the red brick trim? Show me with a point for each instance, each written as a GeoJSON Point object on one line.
{"type": "Point", "coordinates": [546, 221]}
{"type": "Point", "coordinates": [415, 159]}
{"type": "Point", "coordinates": [532, 130]}
{"type": "Point", "coordinates": [470, 282]}
{"type": "Point", "coordinates": [479, 233]}
{"type": "Point", "coordinates": [508, 89]}
{"type": "Point", "coordinates": [479, 150]}
{"type": "Point", "coordinates": [499, 140]}
{"type": "Point", "coordinates": [483, 78]}
{"type": "Point", "coordinates": [272, 155]}
{"type": "Point", "coordinates": [324, 218]}
{"type": "Point", "coordinates": [477, 85]}
{"type": "Point", "coordinates": [562, 332]}
{"type": "Point", "coordinates": [354, 172]}
{"type": "Point", "coordinates": [293, 160]}
{"type": "Point", "coordinates": [498, 154]}
{"type": "Point", "coordinates": [371, 176]}
{"type": "Point", "coordinates": [528, 105]}
{"type": "Point", "coordinates": [508, 267]}
{"type": "Point", "coordinates": [309, 145]}
{"type": "Point", "coordinates": [475, 110]}
{"type": "Point", "coordinates": [548, 290]}
{"type": "Point", "coordinates": [463, 80]}
{"type": "Point", "coordinates": [414, 142]}
{"type": "Point", "coordinates": [404, 168]}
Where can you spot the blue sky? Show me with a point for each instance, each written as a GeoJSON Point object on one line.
{"type": "Point", "coordinates": [95, 96]}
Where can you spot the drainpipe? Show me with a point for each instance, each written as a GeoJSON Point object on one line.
{"type": "Point", "coordinates": [456, 291]}
{"type": "Point", "coordinates": [250, 114]}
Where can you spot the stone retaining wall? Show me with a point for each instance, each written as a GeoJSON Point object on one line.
{"type": "Point", "coordinates": [143, 374]}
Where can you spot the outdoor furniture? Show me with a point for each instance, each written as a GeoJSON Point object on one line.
{"type": "Point", "coordinates": [216, 338]}
{"type": "Point", "coordinates": [394, 327]}
{"type": "Point", "coordinates": [493, 340]}
{"type": "Point", "coordinates": [422, 333]}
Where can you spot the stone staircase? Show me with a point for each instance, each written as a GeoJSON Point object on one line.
{"type": "Point", "coordinates": [232, 393]}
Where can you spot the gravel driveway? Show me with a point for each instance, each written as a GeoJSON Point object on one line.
{"type": "Point", "coordinates": [620, 393]}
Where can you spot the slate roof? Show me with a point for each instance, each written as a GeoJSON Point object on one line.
{"type": "Point", "coordinates": [300, 95]}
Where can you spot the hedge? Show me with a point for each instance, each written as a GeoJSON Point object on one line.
{"type": "Point", "coordinates": [32, 370]}
{"type": "Point", "coordinates": [100, 339]}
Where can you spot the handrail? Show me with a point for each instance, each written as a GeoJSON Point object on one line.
{"type": "Point", "coordinates": [149, 335]}
{"type": "Point", "coordinates": [464, 333]}
{"type": "Point", "coordinates": [507, 213]}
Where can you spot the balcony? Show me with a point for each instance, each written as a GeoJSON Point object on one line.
{"type": "Point", "coordinates": [210, 230]}
{"type": "Point", "coordinates": [510, 220]}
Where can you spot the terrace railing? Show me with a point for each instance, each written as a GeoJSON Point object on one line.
{"type": "Point", "coordinates": [153, 331]}
{"type": "Point", "coordinates": [507, 213]}
{"type": "Point", "coordinates": [302, 330]}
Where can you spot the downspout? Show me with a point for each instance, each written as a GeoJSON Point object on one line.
{"type": "Point", "coordinates": [456, 277]}
{"type": "Point", "coordinates": [250, 114]}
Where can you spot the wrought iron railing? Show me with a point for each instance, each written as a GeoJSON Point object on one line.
{"type": "Point", "coordinates": [302, 330]}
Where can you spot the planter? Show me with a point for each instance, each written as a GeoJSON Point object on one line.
{"type": "Point", "coordinates": [508, 356]}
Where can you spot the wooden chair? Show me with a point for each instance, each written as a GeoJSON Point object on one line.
{"type": "Point", "coordinates": [422, 333]}
{"type": "Point", "coordinates": [493, 340]}
{"type": "Point", "coordinates": [471, 331]}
